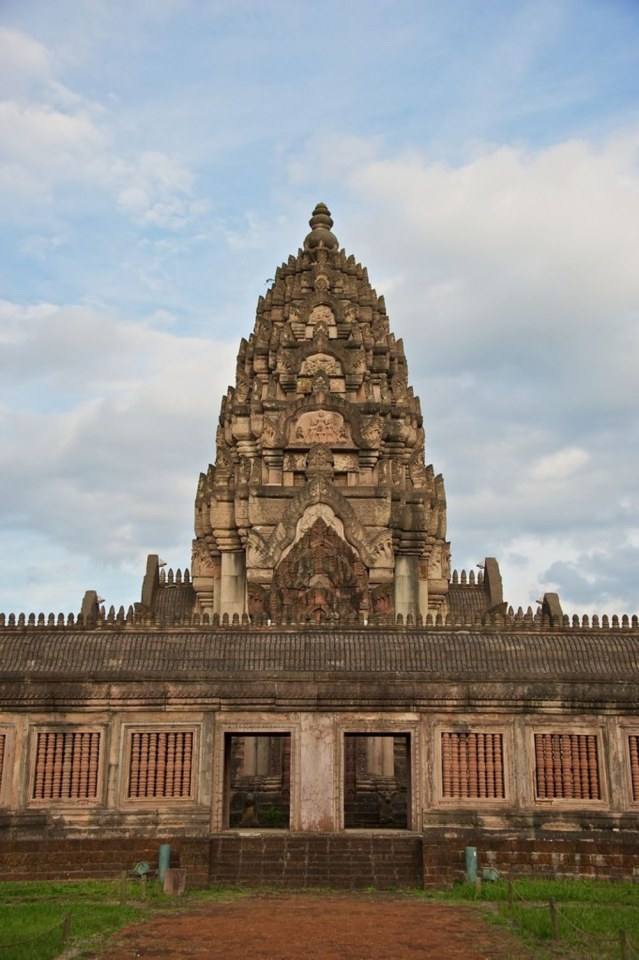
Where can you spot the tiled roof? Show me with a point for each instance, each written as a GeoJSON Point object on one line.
{"type": "Point", "coordinates": [173, 600]}
{"type": "Point", "coordinates": [467, 599]}
{"type": "Point", "coordinates": [433, 655]}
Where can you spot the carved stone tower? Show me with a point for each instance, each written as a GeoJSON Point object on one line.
{"type": "Point", "coordinates": [320, 506]}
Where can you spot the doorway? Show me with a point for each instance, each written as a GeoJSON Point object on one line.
{"type": "Point", "coordinates": [376, 781]}
{"type": "Point", "coordinates": [257, 789]}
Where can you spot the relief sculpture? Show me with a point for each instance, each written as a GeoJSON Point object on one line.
{"type": "Point", "coordinates": [322, 426]}
{"type": "Point", "coordinates": [320, 580]}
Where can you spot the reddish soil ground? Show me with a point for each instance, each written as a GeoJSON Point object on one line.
{"type": "Point", "coordinates": [318, 928]}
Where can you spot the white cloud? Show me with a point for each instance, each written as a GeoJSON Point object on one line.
{"type": "Point", "coordinates": [559, 466]}
{"type": "Point", "coordinates": [54, 137]}
{"type": "Point", "coordinates": [42, 147]}
{"type": "Point", "coordinates": [119, 419]}
{"type": "Point", "coordinates": [158, 191]}
{"type": "Point", "coordinates": [23, 62]}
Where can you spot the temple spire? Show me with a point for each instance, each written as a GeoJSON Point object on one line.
{"type": "Point", "coordinates": [320, 503]}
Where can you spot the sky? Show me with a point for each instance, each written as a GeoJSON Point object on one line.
{"type": "Point", "coordinates": [159, 159]}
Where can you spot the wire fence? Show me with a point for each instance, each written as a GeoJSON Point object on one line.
{"type": "Point", "coordinates": [591, 945]}
{"type": "Point", "coordinates": [46, 944]}
{"type": "Point", "coordinates": [127, 889]}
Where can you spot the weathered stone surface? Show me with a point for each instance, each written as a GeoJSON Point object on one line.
{"type": "Point", "coordinates": [321, 372]}
{"type": "Point", "coordinates": [551, 657]}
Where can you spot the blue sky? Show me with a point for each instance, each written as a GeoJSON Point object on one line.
{"type": "Point", "coordinates": [159, 159]}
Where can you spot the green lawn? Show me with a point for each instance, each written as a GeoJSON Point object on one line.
{"type": "Point", "coordinates": [590, 914]}
{"type": "Point", "coordinates": [32, 914]}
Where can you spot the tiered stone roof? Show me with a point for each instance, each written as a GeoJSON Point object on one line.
{"type": "Point", "coordinates": [321, 426]}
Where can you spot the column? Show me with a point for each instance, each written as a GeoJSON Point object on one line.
{"type": "Point", "coordinates": [318, 790]}
{"type": "Point", "coordinates": [406, 593]}
{"type": "Point", "coordinates": [233, 584]}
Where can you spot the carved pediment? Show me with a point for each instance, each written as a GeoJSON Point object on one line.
{"type": "Point", "coordinates": [319, 498]}
{"type": "Point", "coordinates": [320, 579]}
{"type": "Point", "coordinates": [320, 426]}
{"type": "Point", "coordinates": [320, 361]}
{"type": "Point", "coordinates": [322, 314]}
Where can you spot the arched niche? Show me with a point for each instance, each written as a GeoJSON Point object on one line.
{"type": "Point", "coordinates": [325, 362]}
{"type": "Point", "coordinates": [328, 427]}
{"type": "Point", "coordinates": [320, 578]}
{"type": "Point", "coordinates": [320, 364]}
{"type": "Point", "coordinates": [321, 315]}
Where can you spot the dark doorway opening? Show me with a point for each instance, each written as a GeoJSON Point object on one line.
{"type": "Point", "coordinates": [377, 781]}
{"type": "Point", "coordinates": [257, 770]}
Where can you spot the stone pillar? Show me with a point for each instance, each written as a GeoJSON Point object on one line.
{"type": "Point", "coordinates": [217, 590]}
{"type": "Point", "coordinates": [422, 597]}
{"type": "Point", "coordinates": [318, 800]}
{"type": "Point", "coordinates": [406, 592]}
{"type": "Point", "coordinates": [233, 584]}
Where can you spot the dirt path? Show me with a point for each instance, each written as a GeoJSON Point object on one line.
{"type": "Point", "coordinates": [318, 928]}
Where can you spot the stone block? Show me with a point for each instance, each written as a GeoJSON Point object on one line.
{"type": "Point", "coordinates": [174, 881]}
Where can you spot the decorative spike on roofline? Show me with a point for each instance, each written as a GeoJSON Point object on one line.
{"type": "Point", "coordinates": [468, 577]}
{"type": "Point", "coordinates": [493, 620]}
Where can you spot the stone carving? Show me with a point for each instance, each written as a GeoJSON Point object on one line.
{"type": "Point", "coordinates": [287, 337]}
{"type": "Point", "coordinates": [322, 314]}
{"type": "Point", "coordinates": [358, 364]}
{"type": "Point", "coordinates": [397, 473]}
{"type": "Point", "coordinates": [321, 426]}
{"type": "Point", "coordinates": [319, 511]}
{"type": "Point", "coordinates": [244, 471]}
{"type": "Point", "coordinates": [320, 361]}
{"type": "Point", "coordinates": [256, 391]}
{"type": "Point", "coordinates": [322, 391]}
{"type": "Point", "coordinates": [381, 602]}
{"type": "Point", "coordinates": [243, 387]}
{"type": "Point", "coordinates": [382, 549]}
{"type": "Point", "coordinates": [321, 580]}
{"type": "Point", "coordinates": [269, 433]}
{"type": "Point", "coordinates": [372, 432]}
{"type": "Point", "coordinates": [435, 564]}
{"type": "Point", "coordinates": [295, 461]}
{"type": "Point", "coordinates": [224, 462]}
{"type": "Point", "coordinates": [321, 383]}
{"type": "Point", "coordinates": [319, 461]}
{"type": "Point", "coordinates": [202, 563]}
{"type": "Point", "coordinates": [417, 473]}
{"type": "Point", "coordinates": [345, 461]}
{"type": "Point", "coordinates": [257, 553]}
{"type": "Point", "coordinates": [258, 600]}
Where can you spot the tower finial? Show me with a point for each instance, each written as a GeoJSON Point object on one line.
{"type": "Point", "coordinates": [321, 217]}
{"type": "Point", "coordinates": [320, 235]}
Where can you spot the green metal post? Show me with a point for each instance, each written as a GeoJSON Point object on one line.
{"type": "Point", "coordinates": [164, 860]}
{"type": "Point", "coordinates": [470, 857]}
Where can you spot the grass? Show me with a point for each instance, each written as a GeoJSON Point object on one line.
{"type": "Point", "coordinates": [590, 914]}
{"type": "Point", "coordinates": [32, 913]}
{"type": "Point", "coordinates": [563, 891]}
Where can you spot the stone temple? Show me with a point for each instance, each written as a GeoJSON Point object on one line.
{"type": "Point", "coordinates": [320, 700]}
